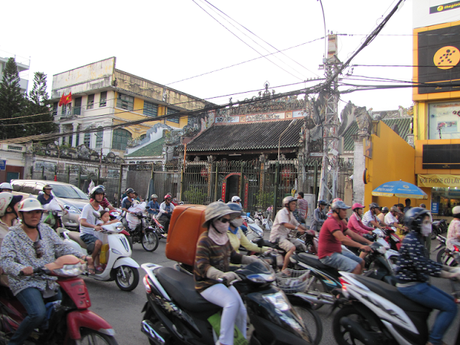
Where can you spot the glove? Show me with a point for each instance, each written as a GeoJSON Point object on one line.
{"type": "Point", "coordinates": [230, 276]}
{"type": "Point", "coordinates": [249, 259]}
{"type": "Point", "coordinates": [214, 273]}
{"type": "Point", "coordinates": [450, 275]}
{"type": "Point", "coordinates": [264, 249]}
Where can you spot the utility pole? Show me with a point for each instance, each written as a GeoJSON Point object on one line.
{"type": "Point", "coordinates": [329, 166]}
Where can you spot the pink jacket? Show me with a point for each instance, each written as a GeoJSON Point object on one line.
{"type": "Point", "coordinates": [357, 226]}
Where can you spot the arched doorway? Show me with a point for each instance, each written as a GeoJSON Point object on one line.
{"type": "Point", "coordinates": [231, 187]}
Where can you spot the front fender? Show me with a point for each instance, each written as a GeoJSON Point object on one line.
{"type": "Point", "coordinates": [86, 319]}
{"type": "Point", "coordinates": [125, 262]}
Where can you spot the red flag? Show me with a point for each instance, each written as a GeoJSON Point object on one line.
{"type": "Point", "coordinates": [62, 100]}
{"type": "Point", "coordinates": [68, 98]}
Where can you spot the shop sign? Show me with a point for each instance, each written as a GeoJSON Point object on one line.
{"type": "Point", "coordinates": [436, 180]}
{"type": "Point", "coordinates": [434, 207]}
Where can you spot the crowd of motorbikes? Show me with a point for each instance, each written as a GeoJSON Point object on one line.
{"type": "Point", "coordinates": [281, 309]}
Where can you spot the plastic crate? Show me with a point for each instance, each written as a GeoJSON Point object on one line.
{"type": "Point", "coordinates": [296, 282]}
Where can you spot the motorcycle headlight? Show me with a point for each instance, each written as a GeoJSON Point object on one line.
{"type": "Point", "coordinates": [69, 270]}
{"type": "Point", "coordinates": [72, 209]}
{"type": "Point", "coordinates": [261, 278]}
{"type": "Point", "coordinates": [278, 300]}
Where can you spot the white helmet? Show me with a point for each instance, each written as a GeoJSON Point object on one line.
{"type": "Point", "coordinates": [30, 204]}
{"type": "Point", "coordinates": [236, 198]}
{"type": "Point", "coordinates": [5, 185]}
{"type": "Point", "coordinates": [8, 199]}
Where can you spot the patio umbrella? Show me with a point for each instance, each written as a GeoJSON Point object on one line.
{"type": "Point", "coordinates": [399, 189]}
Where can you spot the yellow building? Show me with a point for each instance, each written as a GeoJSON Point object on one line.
{"type": "Point", "coordinates": [436, 59]}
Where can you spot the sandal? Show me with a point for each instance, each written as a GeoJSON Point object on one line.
{"type": "Point", "coordinates": [91, 271]}
{"type": "Point", "coordinates": [286, 272]}
{"type": "Point", "coordinates": [99, 269]}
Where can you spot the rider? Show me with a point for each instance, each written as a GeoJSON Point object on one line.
{"type": "Point", "coordinates": [414, 268]}
{"type": "Point", "coordinates": [154, 206]}
{"type": "Point", "coordinates": [331, 237]}
{"type": "Point", "coordinates": [45, 198]}
{"type": "Point", "coordinates": [213, 254]}
{"type": "Point", "coordinates": [302, 208]}
{"type": "Point", "coordinates": [284, 223]}
{"type": "Point", "coordinates": [236, 234]}
{"type": "Point", "coordinates": [6, 187]}
{"type": "Point", "coordinates": [319, 217]}
{"type": "Point", "coordinates": [391, 220]}
{"type": "Point", "coordinates": [355, 222]}
{"type": "Point", "coordinates": [237, 200]}
{"type": "Point", "coordinates": [8, 212]}
{"type": "Point", "coordinates": [166, 210]}
{"type": "Point", "coordinates": [26, 247]}
{"type": "Point", "coordinates": [382, 215]}
{"type": "Point", "coordinates": [453, 232]}
{"type": "Point", "coordinates": [127, 201]}
{"type": "Point", "coordinates": [89, 224]}
{"type": "Point", "coordinates": [105, 203]}
{"type": "Point", "coordinates": [370, 217]}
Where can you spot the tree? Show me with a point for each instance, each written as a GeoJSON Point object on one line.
{"type": "Point", "coordinates": [11, 100]}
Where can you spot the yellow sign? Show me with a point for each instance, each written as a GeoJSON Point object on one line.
{"type": "Point", "coordinates": [443, 181]}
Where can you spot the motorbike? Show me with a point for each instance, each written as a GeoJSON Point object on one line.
{"type": "Point", "coordinates": [115, 254]}
{"type": "Point", "coordinates": [376, 313]}
{"type": "Point", "coordinates": [441, 247]}
{"type": "Point", "coordinates": [143, 233]}
{"type": "Point", "coordinates": [159, 228]}
{"type": "Point", "coordinates": [439, 227]}
{"type": "Point", "coordinates": [324, 285]}
{"type": "Point", "coordinates": [175, 313]}
{"type": "Point", "coordinates": [68, 320]}
{"type": "Point", "coordinates": [254, 232]}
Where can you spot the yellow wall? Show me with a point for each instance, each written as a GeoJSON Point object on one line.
{"type": "Point", "coordinates": [392, 160]}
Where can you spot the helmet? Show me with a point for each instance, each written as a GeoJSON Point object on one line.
{"type": "Point", "coordinates": [373, 205]}
{"type": "Point", "coordinates": [216, 210]}
{"type": "Point", "coordinates": [288, 200]}
{"type": "Point", "coordinates": [235, 207]}
{"type": "Point", "coordinates": [414, 216]}
{"type": "Point", "coordinates": [322, 202]}
{"type": "Point", "coordinates": [456, 211]}
{"type": "Point", "coordinates": [339, 205]}
{"type": "Point", "coordinates": [97, 190]}
{"type": "Point", "coordinates": [154, 196]}
{"type": "Point", "coordinates": [30, 204]}
{"type": "Point", "coordinates": [357, 205]}
{"type": "Point", "coordinates": [47, 186]}
{"type": "Point", "coordinates": [167, 196]}
{"type": "Point", "coordinates": [8, 200]}
{"type": "Point", "coordinates": [129, 190]}
{"type": "Point", "coordinates": [5, 185]}
{"type": "Point", "coordinates": [236, 198]}
{"type": "Point", "coordinates": [385, 210]}
{"type": "Point", "coordinates": [336, 199]}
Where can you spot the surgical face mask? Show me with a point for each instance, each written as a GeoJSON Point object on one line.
{"type": "Point", "coordinates": [426, 229]}
{"type": "Point", "coordinates": [220, 227]}
{"type": "Point", "coordinates": [237, 222]}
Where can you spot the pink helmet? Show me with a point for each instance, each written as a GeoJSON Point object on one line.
{"type": "Point", "coordinates": [167, 196]}
{"type": "Point", "coordinates": [357, 205]}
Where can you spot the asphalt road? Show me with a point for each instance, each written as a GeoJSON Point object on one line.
{"type": "Point", "coordinates": [123, 309]}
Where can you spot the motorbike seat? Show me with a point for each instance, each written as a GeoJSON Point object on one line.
{"type": "Point", "coordinates": [392, 294]}
{"type": "Point", "coordinates": [75, 236]}
{"type": "Point", "coordinates": [181, 288]}
{"type": "Point", "coordinates": [312, 260]}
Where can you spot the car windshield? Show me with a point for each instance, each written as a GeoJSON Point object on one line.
{"type": "Point", "coordinates": [68, 192]}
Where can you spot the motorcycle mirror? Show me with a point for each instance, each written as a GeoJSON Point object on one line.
{"type": "Point", "coordinates": [96, 214]}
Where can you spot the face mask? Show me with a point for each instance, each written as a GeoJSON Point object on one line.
{"type": "Point", "coordinates": [237, 222]}
{"type": "Point", "coordinates": [220, 227]}
{"type": "Point", "coordinates": [426, 229]}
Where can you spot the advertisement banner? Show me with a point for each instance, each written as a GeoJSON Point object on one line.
{"type": "Point", "coordinates": [436, 180]}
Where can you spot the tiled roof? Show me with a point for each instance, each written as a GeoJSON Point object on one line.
{"type": "Point", "coordinates": [153, 149]}
{"type": "Point", "coordinates": [248, 136]}
{"type": "Point", "coordinates": [400, 125]}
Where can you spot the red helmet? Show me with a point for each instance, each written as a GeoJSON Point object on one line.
{"type": "Point", "coordinates": [357, 205]}
{"type": "Point", "coordinates": [167, 196]}
{"type": "Point", "coordinates": [336, 199]}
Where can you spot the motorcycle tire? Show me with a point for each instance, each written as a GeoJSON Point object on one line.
{"type": "Point", "coordinates": [132, 278]}
{"type": "Point", "coordinates": [150, 241]}
{"type": "Point", "coordinates": [311, 321]}
{"type": "Point", "coordinates": [90, 337]}
{"type": "Point", "coordinates": [342, 335]}
{"type": "Point", "coordinates": [440, 256]}
{"type": "Point", "coordinates": [435, 233]}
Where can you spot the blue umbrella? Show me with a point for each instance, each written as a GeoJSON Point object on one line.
{"type": "Point", "coordinates": [399, 189]}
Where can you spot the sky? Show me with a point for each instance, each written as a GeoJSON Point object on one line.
{"type": "Point", "coordinates": [168, 41]}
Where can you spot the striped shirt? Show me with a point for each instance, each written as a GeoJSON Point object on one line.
{"type": "Point", "coordinates": [210, 254]}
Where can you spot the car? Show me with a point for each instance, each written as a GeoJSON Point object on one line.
{"type": "Point", "coordinates": [69, 196]}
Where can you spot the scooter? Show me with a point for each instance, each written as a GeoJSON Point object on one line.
{"type": "Point", "coordinates": [176, 314]}
{"type": "Point", "coordinates": [439, 227]}
{"type": "Point", "coordinates": [143, 233]}
{"type": "Point", "coordinates": [68, 321]}
{"type": "Point", "coordinates": [442, 242]}
{"type": "Point", "coordinates": [376, 313]}
{"type": "Point", "coordinates": [116, 253]}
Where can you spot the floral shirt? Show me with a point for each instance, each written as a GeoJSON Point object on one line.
{"type": "Point", "coordinates": [452, 233]}
{"type": "Point", "coordinates": [18, 252]}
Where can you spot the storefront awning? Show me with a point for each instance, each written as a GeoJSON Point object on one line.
{"type": "Point", "coordinates": [436, 180]}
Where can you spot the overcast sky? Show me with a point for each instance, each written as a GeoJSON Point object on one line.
{"type": "Point", "coordinates": [167, 41]}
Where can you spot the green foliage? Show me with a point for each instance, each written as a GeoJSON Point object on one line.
{"type": "Point", "coordinates": [264, 199]}
{"type": "Point", "coordinates": [194, 195]}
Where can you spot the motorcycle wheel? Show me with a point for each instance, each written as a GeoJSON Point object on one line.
{"type": "Point", "coordinates": [440, 256]}
{"type": "Point", "coordinates": [150, 241]}
{"type": "Point", "coordinates": [435, 233]}
{"type": "Point", "coordinates": [132, 278]}
{"type": "Point", "coordinates": [342, 335]}
{"type": "Point", "coordinates": [92, 337]}
{"type": "Point", "coordinates": [311, 322]}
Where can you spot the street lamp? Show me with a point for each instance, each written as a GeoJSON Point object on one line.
{"type": "Point", "coordinates": [279, 140]}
